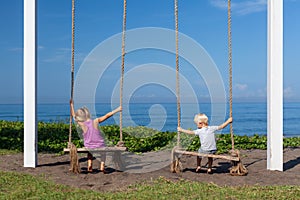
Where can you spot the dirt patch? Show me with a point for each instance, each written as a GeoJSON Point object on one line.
{"type": "Point", "coordinates": [56, 168]}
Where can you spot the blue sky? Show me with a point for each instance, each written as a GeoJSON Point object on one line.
{"type": "Point", "coordinates": [204, 21]}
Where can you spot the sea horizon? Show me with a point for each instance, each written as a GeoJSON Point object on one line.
{"type": "Point", "coordinates": [249, 118]}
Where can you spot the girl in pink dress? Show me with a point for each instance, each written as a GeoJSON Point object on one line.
{"type": "Point", "coordinates": [91, 134]}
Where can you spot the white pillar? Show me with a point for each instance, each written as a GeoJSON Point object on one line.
{"type": "Point", "coordinates": [275, 85]}
{"type": "Point", "coordinates": [30, 73]}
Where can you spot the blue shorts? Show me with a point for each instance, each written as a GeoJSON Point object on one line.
{"type": "Point", "coordinates": [206, 152]}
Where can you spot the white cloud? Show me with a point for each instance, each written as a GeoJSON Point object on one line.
{"type": "Point", "coordinates": [242, 91]}
{"type": "Point", "coordinates": [16, 49]}
{"type": "Point", "coordinates": [262, 92]}
{"type": "Point", "coordinates": [219, 4]}
{"type": "Point", "coordinates": [288, 92]}
{"type": "Point", "coordinates": [241, 87]}
{"type": "Point", "coordinates": [242, 7]}
{"type": "Point", "coordinates": [21, 48]}
{"type": "Point", "coordinates": [60, 55]}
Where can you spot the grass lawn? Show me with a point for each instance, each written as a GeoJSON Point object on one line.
{"type": "Point", "coordinates": [22, 186]}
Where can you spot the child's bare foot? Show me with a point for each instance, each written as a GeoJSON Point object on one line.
{"type": "Point", "coordinates": [90, 170]}
{"type": "Point", "coordinates": [209, 171]}
{"type": "Point", "coordinates": [90, 166]}
{"type": "Point", "coordinates": [102, 168]}
{"type": "Point", "coordinates": [198, 169]}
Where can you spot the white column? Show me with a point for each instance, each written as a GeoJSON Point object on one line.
{"type": "Point", "coordinates": [30, 73]}
{"type": "Point", "coordinates": [275, 85]}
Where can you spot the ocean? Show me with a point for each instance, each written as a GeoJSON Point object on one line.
{"type": "Point", "coordinates": [249, 118]}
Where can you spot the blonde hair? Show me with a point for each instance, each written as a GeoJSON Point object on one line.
{"type": "Point", "coordinates": [82, 114]}
{"type": "Point", "coordinates": [201, 118]}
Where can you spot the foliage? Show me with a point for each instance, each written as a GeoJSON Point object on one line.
{"type": "Point", "coordinates": [256, 141]}
{"type": "Point", "coordinates": [241, 142]}
{"type": "Point", "coordinates": [138, 139]}
{"type": "Point", "coordinates": [23, 186]}
{"type": "Point", "coordinates": [53, 137]}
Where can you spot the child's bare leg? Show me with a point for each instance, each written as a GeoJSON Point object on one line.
{"type": "Point", "coordinates": [102, 163]}
{"type": "Point", "coordinates": [198, 164]}
{"type": "Point", "coordinates": [90, 162]}
{"type": "Point", "coordinates": [210, 162]}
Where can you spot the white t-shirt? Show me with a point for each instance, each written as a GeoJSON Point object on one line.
{"type": "Point", "coordinates": [207, 137]}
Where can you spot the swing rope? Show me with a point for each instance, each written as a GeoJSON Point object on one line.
{"type": "Point", "coordinates": [238, 169]}
{"type": "Point", "coordinates": [177, 73]}
{"type": "Point", "coordinates": [230, 71]}
{"type": "Point", "coordinates": [72, 67]}
{"type": "Point", "coordinates": [74, 162]}
{"type": "Point", "coordinates": [122, 67]}
{"type": "Point", "coordinates": [72, 70]}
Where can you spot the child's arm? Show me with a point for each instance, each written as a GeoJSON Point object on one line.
{"type": "Point", "coordinates": [109, 114]}
{"type": "Point", "coordinates": [72, 108]}
{"type": "Point", "coordinates": [228, 121]}
{"type": "Point", "coordinates": [185, 131]}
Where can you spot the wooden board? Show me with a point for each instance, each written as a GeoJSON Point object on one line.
{"type": "Point", "coordinates": [103, 149]}
{"type": "Point", "coordinates": [178, 151]}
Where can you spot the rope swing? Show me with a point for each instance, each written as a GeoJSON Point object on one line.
{"type": "Point", "coordinates": [238, 168]}
{"type": "Point", "coordinates": [230, 71]}
{"type": "Point", "coordinates": [122, 69]}
{"type": "Point", "coordinates": [177, 73]}
{"type": "Point", "coordinates": [74, 163]}
{"type": "Point", "coordinates": [72, 65]}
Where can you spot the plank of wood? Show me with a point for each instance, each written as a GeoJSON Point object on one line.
{"type": "Point", "coordinates": [103, 149]}
{"type": "Point", "coordinates": [206, 155]}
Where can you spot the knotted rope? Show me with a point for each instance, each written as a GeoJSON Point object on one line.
{"type": "Point", "coordinates": [122, 67]}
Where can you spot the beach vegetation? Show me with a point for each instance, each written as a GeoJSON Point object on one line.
{"type": "Point", "coordinates": [53, 137]}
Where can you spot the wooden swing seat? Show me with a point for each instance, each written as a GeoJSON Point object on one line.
{"type": "Point", "coordinates": [74, 161]}
{"type": "Point", "coordinates": [226, 157]}
{"type": "Point", "coordinates": [237, 169]}
{"type": "Point", "coordinates": [103, 149]}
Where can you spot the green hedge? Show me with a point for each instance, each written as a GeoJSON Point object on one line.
{"type": "Point", "coordinates": [53, 137]}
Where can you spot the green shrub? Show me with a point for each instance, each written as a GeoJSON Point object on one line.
{"type": "Point", "coordinates": [53, 137]}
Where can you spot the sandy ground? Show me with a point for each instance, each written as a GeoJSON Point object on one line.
{"type": "Point", "coordinates": [148, 167]}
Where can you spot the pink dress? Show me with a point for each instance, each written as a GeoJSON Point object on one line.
{"type": "Point", "coordinates": [92, 137]}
